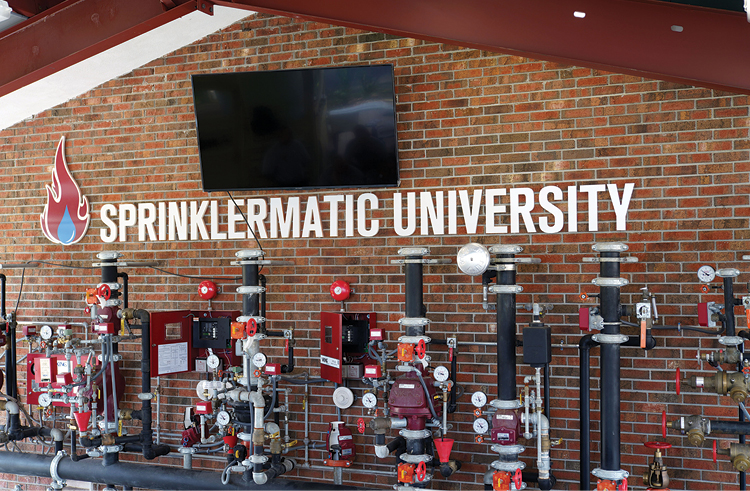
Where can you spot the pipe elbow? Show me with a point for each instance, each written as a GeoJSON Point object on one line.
{"type": "Point", "coordinates": [256, 398]}
{"type": "Point", "coordinates": [260, 478]}
{"type": "Point", "coordinates": [12, 407]}
{"type": "Point", "coordinates": [381, 451]}
{"type": "Point", "coordinates": [57, 435]}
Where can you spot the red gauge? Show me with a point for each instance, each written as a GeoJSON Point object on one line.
{"type": "Point", "coordinates": [340, 290]}
{"type": "Point", "coordinates": [208, 290]}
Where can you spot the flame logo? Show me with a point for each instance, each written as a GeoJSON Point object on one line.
{"type": "Point", "coordinates": [66, 217]}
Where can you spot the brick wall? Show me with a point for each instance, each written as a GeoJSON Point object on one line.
{"type": "Point", "coordinates": [467, 120]}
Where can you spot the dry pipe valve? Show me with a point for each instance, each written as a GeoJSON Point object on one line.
{"type": "Point", "coordinates": [504, 426]}
{"type": "Point", "coordinates": [411, 397]}
{"type": "Point", "coordinates": [609, 338]}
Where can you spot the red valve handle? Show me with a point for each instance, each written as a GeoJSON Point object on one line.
{"type": "Point", "coordinates": [252, 327]}
{"type": "Point", "coordinates": [361, 425]}
{"type": "Point", "coordinates": [518, 479]}
{"type": "Point", "coordinates": [664, 425]}
{"type": "Point", "coordinates": [450, 350]}
{"type": "Point", "coordinates": [658, 445]}
{"type": "Point", "coordinates": [421, 348]}
{"type": "Point", "coordinates": [677, 379]}
{"type": "Point", "coordinates": [623, 485]}
{"type": "Point", "coordinates": [421, 471]}
{"type": "Point", "coordinates": [286, 345]}
{"type": "Point", "coordinates": [714, 452]}
{"type": "Point", "coordinates": [104, 291]}
{"type": "Point", "coordinates": [704, 288]}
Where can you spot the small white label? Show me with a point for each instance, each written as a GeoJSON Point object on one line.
{"type": "Point", "coordinates": [345, 437]}
{"type": "Point", "coordinates": [331, 362]}
{"type": "Point", "coordinates": [504, 416]}
{"type": "Point", "coordinates": [62, 366]}
{"type": "Point", "coordinates": [407, 386]}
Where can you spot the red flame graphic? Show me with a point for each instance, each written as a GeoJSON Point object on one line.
{"type": "Point", "coordinates": [66, 217]}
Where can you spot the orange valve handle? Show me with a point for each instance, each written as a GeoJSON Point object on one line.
{"type": "Point", "coordinates": [664, 425]}
{"type": "Point", "coordinates": [104, 291]}
{"type": "Point", "coordinates": [421, 471]}
{"type": "Point", "coordinates": [584, 296]}
{"type": "Point", "coordinates": [658, 445]}
{"type": "Point", "coordinates": [704, 288]}
{"type": "Point", "coordinates": [643, 333]}
{"type": "Point", "coordinates": [518, 479]}
{"type": "Point", "coordinates": [420, 349]}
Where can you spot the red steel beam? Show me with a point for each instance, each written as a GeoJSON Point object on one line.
{"type": "Point", "coordinates": [625, 36]}
{"type": "Point", "coordinates": [30, 8]}
{"type": "Point", "coordinates": [75, 30]}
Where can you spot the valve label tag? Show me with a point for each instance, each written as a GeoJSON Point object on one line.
{"type": "Point", "coordinates": [331, 362]}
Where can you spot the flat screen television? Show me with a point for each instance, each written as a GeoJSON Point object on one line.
{"type": "Point", "coordinates": [297, 129]}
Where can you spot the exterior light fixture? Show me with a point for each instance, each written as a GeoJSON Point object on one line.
{"type": "Point", "coordinates": [581, 15]}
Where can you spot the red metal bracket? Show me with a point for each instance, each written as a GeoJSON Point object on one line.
{"type": "Point", "coordinates": [206, 6]}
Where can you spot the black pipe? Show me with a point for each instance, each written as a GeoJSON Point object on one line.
{"type": "Point", "coordinates": [584, 400]}
{"type": "Point", "coordinates": [414, 295]}
{"type": "Point", "coordinates": [2, 296]}
{"type": "Point", "coordinates": [546, 391]}
{"type": "Point", "coordinates": [250, 302]}
{"type": "Point", "coordinates": [506, 336]}
{"type": "Point", "coordinates": [396, 443]}
{"type": "Point", "coordinates": [609, 297]}
{"type": "Point", "coordinates": [147, 435]}
{"type": "Point", "coordinates": [124, 277]}
{"type": "Point", "coordinates": [452, 403]}
{"type": "Point", "coordinates": [729, 305]}
{"type": "Point", "coordinates": [147, 476]}
{"type": "Point", "coordinates": [262, 279]}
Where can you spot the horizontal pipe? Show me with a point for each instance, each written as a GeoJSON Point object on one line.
{"type": "Point", "coordinates": [148, 476]}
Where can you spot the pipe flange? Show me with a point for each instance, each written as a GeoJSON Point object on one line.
{"type": "Point", "coordinates": [415, 459]}
{"type": "Point", "coordinates": [414, 339]}
{"type": "Point", "coordinates": [249, 253]}
{"type": "Point", "coordinates": [53, 468]}
{"type": "Point", "coordinates": [618, 282]}
{"type": "Point", "coordinates": [145, 396]}
{"type": "Point", "coordinates": [506, 288]}
{"type": "Point", "coordinates": [508, 466]}
{"type": "Point", "coordinates": [258, 459]}
{"type": "Point", "coordinates": [93, 453]}
{"type": "Point", "coordinates": [618, 475]}
{"type": "Point", "coordinates": [610, 247]}
{"type": "Point", "coordinates": [505, 249]}
{"type": "Point", "coordinates": [111, 448]}
{"type": "Point", "coordinates": [508, 449]}
{"type": "Point", "coordinates": [413, 321]}
{"type": "Point", "coordinates": [730, 340]}
{"type": "Point", "coordinates": [250, 289]}
{"type": "Point", "coordinates": [728, 273]}
{"type": "Point", "coordinates": [414, 251]}
{"type": "Point", "coordinates": [112, 302]}
{"type": "Point", "coordinates": [420, 261]}
{"type": "Point", "coordinates": [503, 266]}
{"type": "Point", "coordinates": [108, 255]}
{"type": "Point", "coordinates": [246, 318]}
{"type": "Point", "coordinates": [626, 259]}
{"type": "Point", "coordinates": [112, 286]}
{"type": "Point", "coordinates": [609, 338]}
{"type": "Point", "coordinates": [514, 404]}
{"type": "Point", "coordinates": [187, 450]}
{"type": "Point", "coordinates": [415, 434]}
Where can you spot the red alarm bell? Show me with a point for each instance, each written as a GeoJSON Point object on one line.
{"type": "Point", "coordinates": [340, 290]}
{"type": "Point", "coordinates": [208, 290]}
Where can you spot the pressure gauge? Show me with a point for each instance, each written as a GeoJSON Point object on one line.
{"type": "Point", "coordinates": [259, 360]}
{"type": "Point", "coordinates": [479, 399]}
{"type": "Point", "coordinates": [223, 418]}
{"type": "Point", "coordinates": [213, 362]}
{"type": "Point", "coordinates": [46, 332]}
{"type": "Point", "coordinates": [706, 274]}
{"type": "Point", "coordinates": [369, 400]}
{"type": "Point", "coordinates": [441, 373]}
{"type": "Point", "coordinates": [481, 426]}
{"type": "Point", "coordinates": [45, 400]}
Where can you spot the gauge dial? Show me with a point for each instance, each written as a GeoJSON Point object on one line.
{"type": "Point", "coordinates": [223, 418]}
{"type": "Point", "coordinates": [259, 360]}
{"type": "Point", "coordinates": [213, 362]}
{"type": "Point", "coordinates": [706, 274]}
{"type": "Point", "coordinates": [46, 332]}
{"type": "Point", "coordinates": [369, 400]}
{"type": "Point", "coordinates": [481, 426]}
{"type": "Point", "coordinates": [441, 373]}
{"type": "Point", "coordinates": [45, 400]}
{"type": "Point", "coordinates": [479, 399]}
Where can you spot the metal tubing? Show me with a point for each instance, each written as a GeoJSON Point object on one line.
{"type": "Point", "coordinates": [610, 366]}
{"type": "Point", "coordinates": [147, 476]}
{"type": "Point", "coordinates": [506, 336]}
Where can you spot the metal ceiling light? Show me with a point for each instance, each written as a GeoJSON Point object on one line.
{"type": "Point", "coordinates": [5, 10]}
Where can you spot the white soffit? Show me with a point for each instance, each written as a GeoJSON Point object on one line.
{"type": "Point", "coordinates": [78, 79]}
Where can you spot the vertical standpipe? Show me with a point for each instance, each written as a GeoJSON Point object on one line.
{"type": "Point", "coordinates": [609, 339]}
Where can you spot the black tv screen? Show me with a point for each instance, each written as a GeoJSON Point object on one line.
{"type": "Point", "coordinates": [293, 129]}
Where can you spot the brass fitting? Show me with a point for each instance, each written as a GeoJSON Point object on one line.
{"type": "Point", "coordinates": [275, 446]}
{"type": "Point", "coordinates": [738, 453]}
{"type": "Point", "coordinates": [126, 414]}
{"type": "Point", "coordinates": [258, 436]}
{"type": "Point", "coordinates": [127, 314]}
{"type": "Point", "coordinates": [696, 437]}
{"type": "Point", "coordinates": [724, 383]}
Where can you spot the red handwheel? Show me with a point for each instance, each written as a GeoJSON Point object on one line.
{"type": "Point", "coordinates": [421, 471]}
{"type": "Point", "coordinates": [104, 291]}
{"type": "Point", "coordinates": [664, 425]}
{"type": "Point", "coordinates": [677, 379]}
{"type": "Point", "coordinates": [714, 452]}
{"type": "Point", "coordinates": [658, 445]}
